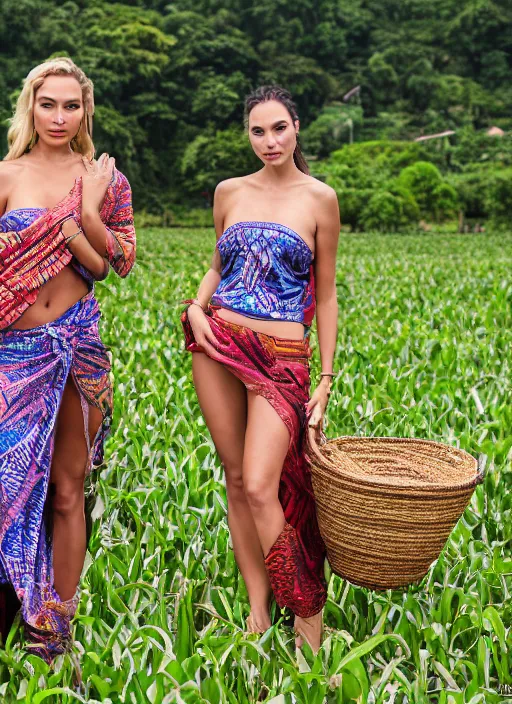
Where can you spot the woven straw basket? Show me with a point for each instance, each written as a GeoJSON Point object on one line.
{"type": "Point", "coordinates": [386, 506]}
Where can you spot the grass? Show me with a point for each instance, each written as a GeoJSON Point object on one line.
{"type": "Point", "coordinates": [425, 334]}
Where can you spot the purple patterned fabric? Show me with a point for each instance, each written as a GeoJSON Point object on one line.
{"type": "Point", "coordinates": [267, 273]}
{"type": "Point", "coordinates": [19, 218]}
{"type": "Point", "coordinates": [34, 367]}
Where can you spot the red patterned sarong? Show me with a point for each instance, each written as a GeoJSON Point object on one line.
{"type": "Point", "coordinates": [278, 369]}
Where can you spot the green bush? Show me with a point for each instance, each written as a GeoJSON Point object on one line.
{"type": "Point", "coordinates": [381, 154]}
{"type": "Point", "coordinates": [358, 172]}
{"type": "Point", "coordinates": [498, 199]}
{"type": "Point", "coordinates": [340, 176]}
{"type": "Point", "coordinates": [421, 179]}
{"type": "Point", "coordinates": [390, 210]}
{"type": "Point", "coordinates": [475, 148]}
{"type": "Point", "coordinates": [334, 125]}
{"type": "Point", "coordinates": [485, 193]}
{"type": "Point", "coordinates": [211, 158]}
{"type": "Point", "coordinates": [352, 202]}
{"type": "Point", "coordinates": [387, 126]}
{"type": "Point", "coordinates": [410, 155]}
{"type": "Point", "coordinates": [183, 216]}
{"type": "Point", "coordinates": [436, 197]}
{"type": "Point", "coordinates": [144, 219]}
{"type": "Point", "coordinates": [175, 216]}
{"type": "Point", "coordinates": [366, 165]}
{"type": "Point", "coordinates": [445, 201]}
{"type": "Point", "coordinates": [471, 188]}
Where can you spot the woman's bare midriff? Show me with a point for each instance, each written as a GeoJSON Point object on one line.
{"type": "Point", "coordinates": [277, 328]}
{"type": "Point", "coordinates": [55, 298]}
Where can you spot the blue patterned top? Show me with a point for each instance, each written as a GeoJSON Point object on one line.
{"type": "Point", "coordinates": [20, 218]}
{"type": "Point", "coordinates": [266, 273]}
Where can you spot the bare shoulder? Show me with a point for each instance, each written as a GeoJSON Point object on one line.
{"type": "Point", "coordinates": [325, 206]}
{"type": "Point", "coordinates": [321, 191]}
{"type": "Point", "coordinates": [224, 192]}
{"type": "Point", "coordinates": [230, 185]}
{"type": "Point", "coordinates": [10, 171]}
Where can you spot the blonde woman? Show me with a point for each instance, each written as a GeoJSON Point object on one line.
{"type": "Point", "coordinates": [64, 220]}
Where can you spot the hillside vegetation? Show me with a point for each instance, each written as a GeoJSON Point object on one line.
{"type": "Point", "coordinates": [170, 80]}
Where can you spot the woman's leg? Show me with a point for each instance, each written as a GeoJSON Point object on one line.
{"type": "Point", "coordinates": [67, 489]}
{"type": "Point", "coordinates": [223, 401]}
{"type": "Point", "coordinates": [266, 446]}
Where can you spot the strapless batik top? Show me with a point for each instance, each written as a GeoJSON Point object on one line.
{"type": "Point", "coordinates": [266, 273]}
{"type": "Point", "coordinates": [20, 218]}
{"type": "Point", "coordinates": [33, 248]}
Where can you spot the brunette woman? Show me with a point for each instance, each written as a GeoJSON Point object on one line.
{"type": "Point", "coordinates": [275, 259]}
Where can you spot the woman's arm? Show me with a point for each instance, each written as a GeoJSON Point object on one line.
{"type": "Point", "coordinates": [114, 239]}
{"type": "Point", "coordinates": [201, 329]}
{"type": "Point", "coordinates": [95, 183]}
{"type": "Point", "coordinates": [211, 279]}
{"type": "Point", "coordinates": [328, 230]}
{"type": "Point", "coordinates": [81, 248]}
{"type": "Point", "coordinates": [327, 235]}
{"type": "Point", "coordinates": [94, 231]}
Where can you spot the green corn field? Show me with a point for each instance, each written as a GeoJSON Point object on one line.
{"type": "Point", "coordinates": [425, 350]}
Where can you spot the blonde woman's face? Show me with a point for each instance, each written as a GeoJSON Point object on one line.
{"type": "Point", "coordinates": [58, 110]}
{"type": "Point", "coordinates": [272, 132]}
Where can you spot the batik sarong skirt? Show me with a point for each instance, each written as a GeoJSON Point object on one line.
{"type": "Point", "coordinates": [278, 369]}
{"type": "Point", "coordinates": [35, 365]}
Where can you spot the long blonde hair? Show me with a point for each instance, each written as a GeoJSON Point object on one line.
{"type": "Point", "coordinates": [22, 135]}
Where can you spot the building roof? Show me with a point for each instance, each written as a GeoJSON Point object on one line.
{"type": "Point", "coordinates": [434, 136]}
{"type": "Point", "coordinates": [495, 131]}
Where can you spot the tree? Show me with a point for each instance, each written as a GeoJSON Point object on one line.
{"type": "Point", "coordinates": [211, 158]}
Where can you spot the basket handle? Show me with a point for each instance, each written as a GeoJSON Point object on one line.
{"type": "Point", "coordinates": [314, 448]}
{"type": "Point", "coordinates": [349, 464]}
{"type": "Point", "coordinates": [480, 476]}
{"type": "Point", "coordinates": [313, 445]}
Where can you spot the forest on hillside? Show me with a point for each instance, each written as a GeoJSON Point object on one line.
{"type": "Point", "coordinates": [170, 79]}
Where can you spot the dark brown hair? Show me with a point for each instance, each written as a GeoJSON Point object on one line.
{"type": "Point", "coordinates": [274, 92]}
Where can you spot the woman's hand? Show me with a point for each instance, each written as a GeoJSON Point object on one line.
{"type": "Point", "coordinates": [203, 334]}
{"type": "Point", "coordinates": [316, 406]}
{"type": "Point", "coordinates": [95, 182]}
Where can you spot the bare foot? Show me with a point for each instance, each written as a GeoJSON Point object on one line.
{"type": "Point", "coordinates": [309, 630]}
{"type": "Point", "coordinates": [258, 623]}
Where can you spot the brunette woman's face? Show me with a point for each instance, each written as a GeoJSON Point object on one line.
{"type": "Point", "coordinates": [58, 110]}
{"type": "Point", "coordinates": [272, 132]}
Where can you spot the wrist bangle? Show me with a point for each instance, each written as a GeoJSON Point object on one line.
{"type": "Point", "coordinates": [72, 237]}
{"type": "Point", "coordinates": [197, 302]}
{"type": "Point", "coordinates": [331, 374]}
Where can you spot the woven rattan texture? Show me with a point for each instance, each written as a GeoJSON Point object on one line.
{"type": "Point", "coordinates": [386, 506]}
